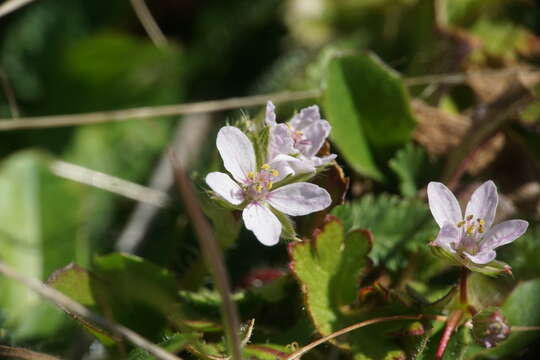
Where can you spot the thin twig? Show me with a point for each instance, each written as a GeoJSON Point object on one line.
{"type": "Point", "coordinates": [149, 23]}
{"type": "Point", "coordinates": [110, 183]}
{"type": "Point", "coordinates": [359, 325]}
{"type": "Point", "coordinates": [188, 140]}
{"type": "Point", "coordinates": [212, 254]}
{"type": "Point", "coordinates": [525, 328]}
{"type": "Point", "coordinates": [23, 354]}
{"type": "Point", "coordinates": [146, 112]}
{"type": "Point", "coordinates": [10, 94]}
{"type": "Point", "coordinates": [12, 5]}
{"type": "Point", "coordinates": [67, 303]}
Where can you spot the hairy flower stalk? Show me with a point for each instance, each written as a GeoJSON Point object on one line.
{"type": "Point", "coordinates": [471, 240]}
{"type": "Point", "coordinates": [258, 189]}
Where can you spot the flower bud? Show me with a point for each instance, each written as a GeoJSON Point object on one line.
{"type": "Point", "coordinates": [489, 327]}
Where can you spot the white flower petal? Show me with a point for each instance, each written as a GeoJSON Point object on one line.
{"type": "Point", "coordinates": [319, 161]}
{"type": "Point", "coordinates": [305, 118]}
{"type": "Point", "coordinates": [315, 135]}
{"type": "Point", "coordinates": [443, 204]}
{"type": "Point", "coordinates": [503, 233]}
{"type": "Point", "coordinates": [264, 224]}
{"type": "Point", "coordinates": [483, 257]}
{"type": "Point", "coordinates": [270, 115]}
{"type": "Point", "coordinates": [282, 163]}
{"type": "Point", "coordinates": [448, 235]}
{"type": "Point", "coordinates": [225, 187]}
{"type": "Point", "coordinates": [483, 203]}
{"type": "Point", "coordinates": [299, 199]}
{"type": "Point", "coordinates": [280, 141]}
{"type": "Point", "coordinates": [237, 152]}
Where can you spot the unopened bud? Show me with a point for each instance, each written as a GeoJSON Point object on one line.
{"type": "Point", "coordinates": [490, 327]}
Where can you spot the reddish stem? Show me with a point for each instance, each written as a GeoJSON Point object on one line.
{"type": "Point", "coordinates": [451, 324]}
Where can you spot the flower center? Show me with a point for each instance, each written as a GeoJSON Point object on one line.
{"type": "Point", "coordinates": [473, 228]}
{"type": "Point", "coordinates": [298, 136]}
{"type": "Point", "coordinates": [259, 184]}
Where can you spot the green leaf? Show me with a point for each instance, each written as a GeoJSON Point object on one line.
{"type": "Point", "coordinates": [76, 283]}
{"type": "Point", "coordinates": [398, 226]}
{"type": "Point", "coordinates": [409, 165]}
{"type": "Point", "coordinates": [328, 268]}
{"type": "Point", "coordinates": [173, 343]}
{"type": "Point", "coordinates": [140, 294]}
{"type": "Point", "coordinates": [40, 216]}
{"type": "Point", "coordinates": [368, 108]}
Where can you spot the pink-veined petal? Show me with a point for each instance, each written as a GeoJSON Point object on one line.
{"type": "Point", "coordinates": [280, 141]}
{"type": "Point", "coordinates": [264, 224]}
{"type": "Point", "coordinates": [225, 187]}
{"type": "Point", "coordinates": [483, 203]}
{"type": "Point", "coordinates": [443, 204]}
{"type": "Point", "coordinates": [270, 115]}
{"type": "Point", "coordinates": [237, 152]}
{"type": "Point", "coordinates": [299, 199]}
{"type": "Point", "coordinates": [482, 257]}
{"type": "Point", "coordinates": [503, 233]}
{"type": "Point", "coordinates": [305, 118]}
{"type": "Point", "coordinates": [314, 137]}
{"type": "Point", "coordinates": [448, 235]}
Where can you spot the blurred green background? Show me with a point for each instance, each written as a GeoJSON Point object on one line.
{"type": "Point", "coordinates": [63, 56]}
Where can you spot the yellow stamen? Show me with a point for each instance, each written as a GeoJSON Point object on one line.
{"type": "Point", "coordinates": [470, 229]}
{"type": "Point", "coordinates": [275, 173]}
{"type": "Point", "coordinates": [265, 167]}
{"type": "Point", "coordinates": [481, 228]}
{"type": "Point", "coordinates": [269, 185]}
{"type": "Point", "coordinates": [481, 222]}
{"type": "Point", "coordinates": [250, 175]}
{"type": "Point", "coordinates": [259, 188]}
{"type": "Point", "coordinates": [460, 224]}
{"type": "Point", "coordinates": [469, 217]}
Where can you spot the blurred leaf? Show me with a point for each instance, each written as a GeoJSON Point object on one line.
{"type": "Point", "coordinates": [409, 164]}
{"type": "Point", "coordinates": [140, 294]}
{"type": "Point", "coordinates": [75, 282]}
{"type": "Point", "coordinates": [39, 232]}
{"type": "Point", "coordinates": [266, 352]}
{"type": "Point", "coordinates": [173, 343]}
{"type": "Point", "coordinates": [398, 226]}
{"type": "Point", "coordinates": [329, 268]}
{"type": "Point", "coordinates": [503, 41]}
{"type": "Point", "coordinates": [368, 108]}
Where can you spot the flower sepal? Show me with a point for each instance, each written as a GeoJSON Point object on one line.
{"type": "Point", "coordinates": [288, 231]}
{"type": "Point", "coordinates": [493, 269]}
{"type": "Point", "coordinates": [224, 203]}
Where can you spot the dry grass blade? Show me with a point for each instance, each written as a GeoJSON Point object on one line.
{"type": "Point", "coordinates": [10, 94]}
{"type": "Point", "coordinates": [12, 5]}
{"type": "Point", "coordinates": [212, 254]}
{"type": "Point", "coordinates": [146, 112]}
{"type": "Point", "coordinates": [9, 352]}
{"type": "Point", "coordinates": [109, 183]}
{"type": "Point", "coordinates": [67, 303]}
{"type": "Point", "coordinates": [149, 23]}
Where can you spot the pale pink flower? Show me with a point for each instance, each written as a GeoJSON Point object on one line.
{"type": "Point", "coordinates": [257, 190]}
{"type": "Point", "coordinates": [471, 237]}
{"type": "Point", "coordinates": [299, 140]}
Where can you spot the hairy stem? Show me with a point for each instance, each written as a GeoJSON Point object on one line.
{"type": "Point", "coordinates": [451, 325]}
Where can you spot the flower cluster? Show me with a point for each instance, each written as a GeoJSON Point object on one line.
{"type": "Point", "coordinates": [267, 190]}
{"type": "Point", "coordinates": [471, 240]}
